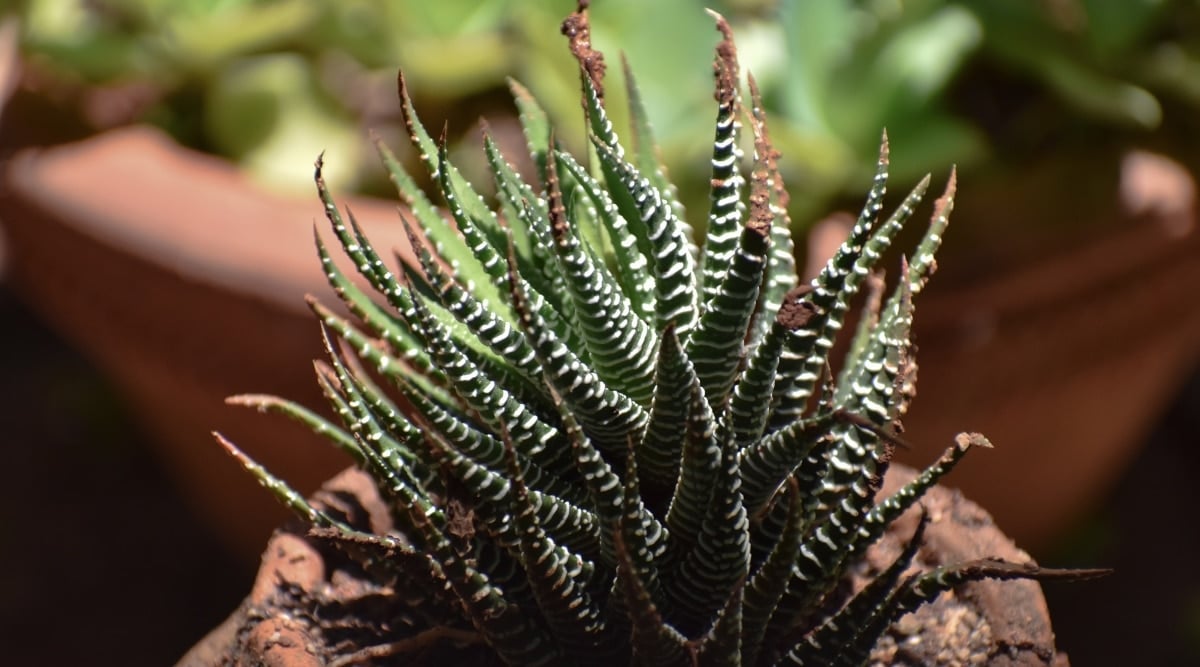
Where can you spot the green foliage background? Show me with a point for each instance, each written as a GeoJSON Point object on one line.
{"type": "Point", "coordinates": [269, 84]}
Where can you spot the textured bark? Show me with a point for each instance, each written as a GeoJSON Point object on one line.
{"type": "Point", "coordinates": [999, 624]}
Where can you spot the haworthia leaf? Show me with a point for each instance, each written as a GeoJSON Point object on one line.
{"type": "Point", "coordinates": [620, 345]}
{"type": "Point", "coordinates": [645, 148]}
{"type": "Point", "coordinates": [492, 402]}
{"type": "Point", "coordinates": [659, 451]}
{"type": "Point", "coordinates": [720, 560]}
{"type": "Point", "coordinates": [539, 342]}
{"type": "Point", "coordinates": [572, 614]}
{"type": "Point", "coordinates": [770, 580]}
{"type": "Point", "coordinates": [676, 297]}
{"type": "Point", "coordinates": [437, 228]}
{"type": "Point", "coordinates": [278, 488]}
{"type": "Point", "coordinates": [698, 468]}
{"type": "Point", "coordinates": [780, 276]}
{"type": "Point", "coordinates": [632, 269]}
{"type": "Point", "coordinates": [716, 345]}
{"type": "Point", "coordinates": [726, 210]}
{"type": "Point", "coordinates": [834, 641]}
{"type": "Point", "coordinates": [535, 125]}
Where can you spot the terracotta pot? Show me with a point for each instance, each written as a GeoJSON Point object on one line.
{"type": "Point", "coordinates": [303, 579]}
{"type": "Point", "coordinates": [184, 282]}
{"type": "Point", "coordinates": [1065, 362]}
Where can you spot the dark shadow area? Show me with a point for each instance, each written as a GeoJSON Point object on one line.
{"type": "Point", "coordinates": [1148, 612]}
{"type": "Point", "coordinates": [100, 561]}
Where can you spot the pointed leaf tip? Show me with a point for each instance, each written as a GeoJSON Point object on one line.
{"type": "Point", "coordinates": [951, 189]}
{"type": "Point", "coordinates": [578, 32]}
{"type": "Point", "coordinates": [258, 401]}
{"type": "Point", "coordinates": [406, 109]}
{"type": "Point", "coordinates": [401, 84]}
{"type": "Point", "coordinates": [725, 67]}
{"type": "Point", "coordinates": [225, 443]}
{"type": "Point", "coordinates": [967, 440]}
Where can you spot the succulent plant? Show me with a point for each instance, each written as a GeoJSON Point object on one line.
{"type": "Point", "coordinates": [602, 444]}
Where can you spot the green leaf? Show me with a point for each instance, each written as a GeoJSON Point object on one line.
{"type": "Point", "coordinates": [726, 210]}
{"type": "Point", "coordinates": [447, 244]}
{"type": "Point", "coordinates": [765, 465]}
{"type": "Point", "coordinates": [496, 405]}
{"type": "Point", "coordinates": [662, 442]}
{"type": "Point", "coordinates": [674, 268]}
{"type": "Point", "coordinates": [834, 641]}
{"type": "Point", "coordinates": [716, 345]}
{"type": "Point", "coordinates": [620, 345]}
{"type": "Point", "coordinates": [535, 124]}
{"type": "Point", "coordinates": [572, 614]}
{"type": "Point", "coordinates": [715, 569]}
{"type": "Point", "coordinates": [780, 277]}
{"type": "Point", "coordinates": [699, 464]}
{"type": "Point", "coordinates": [631, 269]}
{"type": "Point", "coordinates": [278, 488]}
{"type": "Point", "coordinates": [770, 580]}
{"type": "Point", "coordinates": [645, 148]}
{"type": "Point", "coordinates": [607, 415]}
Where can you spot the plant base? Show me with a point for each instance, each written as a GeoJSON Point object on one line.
{"type": "Point", "coordinates": [312, 605]}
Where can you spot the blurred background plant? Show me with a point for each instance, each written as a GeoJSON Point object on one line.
{"type": "Point", "coordinates": [270, 83]}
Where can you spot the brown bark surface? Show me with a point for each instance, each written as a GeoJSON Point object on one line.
{"type": "Point", "coordinates": [302, 579]}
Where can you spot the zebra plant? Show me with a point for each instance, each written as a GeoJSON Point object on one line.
{"type": "Point", "coordinates": [604, 445]}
